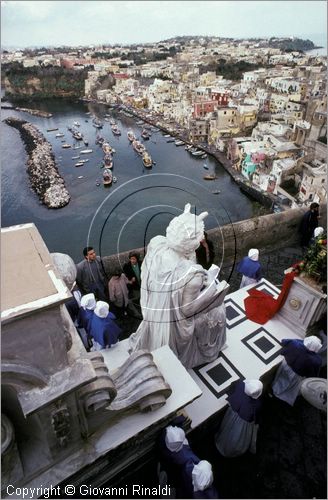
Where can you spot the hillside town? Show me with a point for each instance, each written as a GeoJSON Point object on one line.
{"type": "Point", "coordinates": [269, 126]}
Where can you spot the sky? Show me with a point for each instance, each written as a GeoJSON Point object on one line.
{"type": "Point", "coordinates": [57, 23]}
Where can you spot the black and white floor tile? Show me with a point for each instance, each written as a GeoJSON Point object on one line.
{"type": "Point", "coordinates": [263, 345]}
{"type": "Point", "coordinates": [218, 375]}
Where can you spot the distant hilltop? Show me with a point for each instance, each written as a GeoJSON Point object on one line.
{"type": "Point", "coordinates": [287, 44]}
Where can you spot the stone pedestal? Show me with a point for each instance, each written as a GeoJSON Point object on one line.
{"type": "Point", "coordinates": [304, 306]}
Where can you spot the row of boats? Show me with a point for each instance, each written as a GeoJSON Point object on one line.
{"type": "Point", "coordinates": [140, 149]}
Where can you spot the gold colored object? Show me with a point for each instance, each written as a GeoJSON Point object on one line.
{"type": "Point", "coordinates": [295, 303]}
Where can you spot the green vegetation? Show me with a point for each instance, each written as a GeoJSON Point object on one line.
{"type": "Point", "coordinates": [291, 44]}
{"type": "Point", "coordinates": [43, 83]}
{"type": "Point", "coordinates": [229, 70]}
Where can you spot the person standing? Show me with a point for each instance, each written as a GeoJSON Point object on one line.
{"type": "Point", "coordinates": [250, 268]}
{"type": "Point", "coordinates": [301, 359]}
{"type": "Point", "coordinates": [91, 277]}
{"type": "Point", "coordinates": [103, 328]}
{"type": "Point", "coordinates": [238, 430]}
{"type": "Point", "coordinates": [308, 224]}
{"type": "Point", "coordinates": [132, 271]}
{"type": "Point", "coordinates": [205, 252]}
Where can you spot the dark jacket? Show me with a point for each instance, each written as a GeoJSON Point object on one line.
{"type": "Point", "coordinates": [248, 408]}
{"type": "Point", "coordinates": [308, 224]}
{"type": "Point", "coordinates": [201, 255]}
{"type": "Point", "coordinates": [301, 360]}
{"type": "Point", "coordinates": [129, 273]}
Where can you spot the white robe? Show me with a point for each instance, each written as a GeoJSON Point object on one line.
{"type": "Point", "coordinates": [177, 309]}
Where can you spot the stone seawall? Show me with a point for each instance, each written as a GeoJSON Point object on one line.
{"type": "Point", "coordinates": [41, 166]}
{"type": "Point", "coordinates": [231, 242]}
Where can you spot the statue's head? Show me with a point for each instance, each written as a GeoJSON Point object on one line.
{"type": "Point", "coordinates": [65, 267]}
{"type": "Point", "coordinates": [185, 232]}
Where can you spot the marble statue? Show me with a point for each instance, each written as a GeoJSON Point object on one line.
{"type": "Point", "coordinates": [182, 303]}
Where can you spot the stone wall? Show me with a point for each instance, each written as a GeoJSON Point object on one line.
{"type": "Point", "coordinates": [268, 233]}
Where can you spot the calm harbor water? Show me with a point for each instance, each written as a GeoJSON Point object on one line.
{"type": "Point", "coordinates": [130, 212]}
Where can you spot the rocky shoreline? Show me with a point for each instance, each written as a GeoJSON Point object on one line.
{"type": "Point", "coordinates": [41, 166]}
{"type": "Point", "coordinates": [35, 112]}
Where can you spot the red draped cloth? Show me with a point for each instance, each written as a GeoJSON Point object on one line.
{"type": "Point", "coordinates": [260, 307]}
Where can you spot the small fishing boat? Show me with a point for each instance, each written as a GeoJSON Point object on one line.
{"type": "Point", "coordinates": [147, 160]}
{"type": "Point", "coordinates": [145, 134]}
{"type": "Point", "coordinates": [84, 161]}
{"type": "Point", "coordinates": [170, 140]}
{"type": "Point", "coordinates": [75, 157]}
{"type": "Point", "coordinates": [65, 146]}
{"type": "Point", "coordinates": [116, 130]}
{"type": "Point", "coordinates": [107, 177]}
{"type": "Point", "coordinates": [79, 164]}
{"type": "Point", "coordinates": [108, 161]}
{"type": "Point", "coordinates": [204, 156]}
{"type": "Point", "coordinates": [179, 143]}
{"type": "Point", "coordinates": [77, 136]}
{"type": "Point", "coordinates": [60, 134]}
{"type": "Point", "coordinates": [205, 166]}
{"type": "Point", "coordinates": [209, 177]}
{"type": "Point", "coordinates": [138, 147]}
{"type": "Point", "coordinates": [216, 191]}
{"type": "Point", "coordinates": [167, 135]}
{"type": "Point", "coordinates": [107, 149]}
{"type": "Point", "coordinates": [197, 152]}
{"type": "Point", "coordinates": [131, 135]}
{"type": "Point", "coordinates": [85, 151]}
{"type": "Point", "coordinates": [51, 129]}
{"type": "Point", "coordinates": [77, 147]}
{"type": "Point", "coordinates": [80, 176]}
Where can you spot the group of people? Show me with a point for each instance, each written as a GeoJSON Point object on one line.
{"type": "Point", "coordinates": [181, 468]}
{"type": "Point", "coordinates": [97, 302]}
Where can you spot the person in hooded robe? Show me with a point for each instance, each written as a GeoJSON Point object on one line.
{"type": "Point", "coordinates": [250, 268]}
{"type": "Point", "coordinates": [103, 328]}
{"type": "Point", "coordinates": [174, 454]}
{"type": "Point", "coordinates": [199, 480]}
{"type": "Point", "coordinates": [181, 305]}
{"type": "Point", "coordinates": [88, 304]}
{"type": "Point", "coordinates": [301, 360]}
{"type": "Point", "coordinates": [238, 430]}
{"type": "Point", "coordinates": [317, 234]}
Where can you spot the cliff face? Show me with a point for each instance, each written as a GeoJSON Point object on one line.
{"type": "Point", "coordinates": [22, 83]}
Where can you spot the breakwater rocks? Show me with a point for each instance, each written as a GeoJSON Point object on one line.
{"type": "Point", "coordinates": [41, 166]}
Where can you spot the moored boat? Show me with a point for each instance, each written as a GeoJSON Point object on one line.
{"type": "Point", "coordinates": [178, 142]}
{"type": "Point", "coordinates": [85, 151]}
{"type": "Point", "coordinates": [60, 134]}
{"type": "Point", "coordinates": [138, 147]}
{"type": "Point", "coordinates": [209, 177]}
{"type": "Point", "coordinates": [107, 149]}
{"type": "Point", "coordinates": [79, 164]}
{"type": "Point", "coordinates": [116, 130]}
{"type": "Point", "coordinates": [145, 134]}
{"type": "Point", "coordinates": [107, 177]}
{"type": "Point", "coordinates": [147, 160]}
{"type": "Point", "coordinates": [197, 152]}
{"type": "Point", "coordinates": [108, 161]}
{"type": "Point", "coordinates": [65, 146]}
{"type": "Point", "coordinates": [131, 135]}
